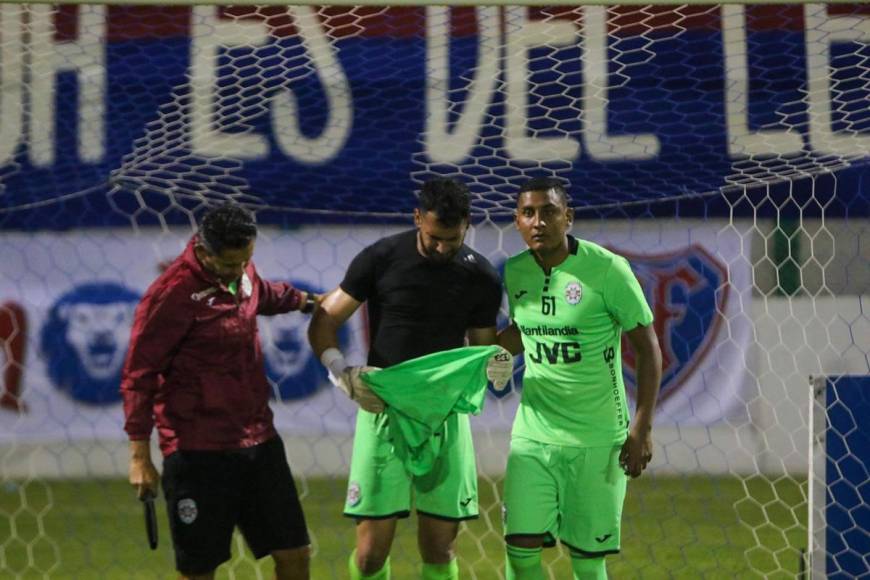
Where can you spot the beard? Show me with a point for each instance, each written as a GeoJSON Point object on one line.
{"type": "Point", "coordinates": [440, 259]}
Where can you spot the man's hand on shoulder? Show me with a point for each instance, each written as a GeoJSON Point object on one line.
{"type": "Point", "coordinates": [351, 383]}
{"type": "Point", "coordinates": [500, 369]}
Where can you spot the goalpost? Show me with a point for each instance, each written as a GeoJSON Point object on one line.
{"type": "Point", "coordinates": [723, 149]}
{"type": "Point", "coordinates": [839, 455]}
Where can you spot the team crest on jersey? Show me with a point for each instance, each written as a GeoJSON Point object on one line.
{"type": "Point", "coordinates": [354, 494]}
{"type": "Point", "coordinates": [688, 291]}
{"type": "Point", "coordinates": [573, 293]}
{"type": "Point", "coordinates": [187, 510]}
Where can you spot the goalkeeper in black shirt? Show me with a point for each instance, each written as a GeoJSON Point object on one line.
{"type": "Point", "coordinates": [426, 291]}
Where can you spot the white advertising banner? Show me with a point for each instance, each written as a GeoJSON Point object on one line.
{"type": "Point", "coordinates": [66, 304]}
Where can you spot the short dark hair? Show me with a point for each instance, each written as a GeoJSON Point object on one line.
{"type": "Point", "coordinates": [447, 198]}
{"type": "Point", "coordinates": [545, 184]}
{"type": "Point", "coordinates": [227, 226]}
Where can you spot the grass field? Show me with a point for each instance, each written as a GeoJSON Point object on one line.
{"type": "Point", "coordinates": [680, 527]}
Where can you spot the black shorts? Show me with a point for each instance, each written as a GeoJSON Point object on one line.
{"type": "Point", "coordinates": [208, 493]}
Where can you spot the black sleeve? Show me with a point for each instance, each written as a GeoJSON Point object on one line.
{"type": "Point", "coordinates": [359, 280]}
{"type": "Point", "coordinates": [489, 300]}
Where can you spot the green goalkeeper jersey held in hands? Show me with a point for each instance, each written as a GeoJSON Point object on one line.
{"type": "Point", "coordinates": [571, 321]}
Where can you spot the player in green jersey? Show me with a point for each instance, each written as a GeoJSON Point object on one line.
{"type": "Point", "coordinates": [573, 444]}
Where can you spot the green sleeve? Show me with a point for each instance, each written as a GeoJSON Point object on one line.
{"type": "Point", "coordinates": [624, 297]}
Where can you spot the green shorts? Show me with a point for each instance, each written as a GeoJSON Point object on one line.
{"type": "Point", "coordinates": [572, 494]}
{"type": "Point", "coordinates": [381, 487]}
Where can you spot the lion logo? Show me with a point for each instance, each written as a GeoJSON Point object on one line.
{"type": "Point", "coordinates": [291, 367]}
{"type": "Point", "coordinates": [84, 340]}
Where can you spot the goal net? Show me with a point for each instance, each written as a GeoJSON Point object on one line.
{"type": "Point", "coordinates": [723, 149]}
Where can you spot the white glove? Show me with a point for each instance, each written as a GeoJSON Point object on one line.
{"type": "Point", "coordinates": [348, 380]}
{"type": "Point", "coordinates": [354, 387]}
{"type": "Point", "coordinates": [500, 369]}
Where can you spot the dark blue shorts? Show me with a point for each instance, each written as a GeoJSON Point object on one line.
{"type": "Point", "coordinates": [209, 493]}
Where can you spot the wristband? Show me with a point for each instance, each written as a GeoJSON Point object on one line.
{"type": "Point", "coordinates": [333, 360]}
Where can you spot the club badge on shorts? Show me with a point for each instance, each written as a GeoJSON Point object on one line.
{"type": "Point", "coordinates": [353, 494]}
{"type": "Point", "coordinates": [187, 510]}
{"type": "Point", "coordinates": [573, 293]}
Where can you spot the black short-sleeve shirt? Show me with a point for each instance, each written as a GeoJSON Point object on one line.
{"type": "Point", "coordinates": [417, 307]}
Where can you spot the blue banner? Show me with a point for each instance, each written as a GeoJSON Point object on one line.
{"type": "Point", "coordinates": [315, 117]}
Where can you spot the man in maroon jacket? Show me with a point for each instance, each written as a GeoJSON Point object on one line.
{"type": "Point", "coordinates": [195, 369]}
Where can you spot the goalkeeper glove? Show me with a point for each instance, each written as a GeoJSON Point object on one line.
{"type": "Point", "coordinates": [500, 369]}
{"type": "Point", "coordinates": [349, 381]}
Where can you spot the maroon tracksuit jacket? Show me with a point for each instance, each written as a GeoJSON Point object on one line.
{"type": "Point", "coordinates": [195, 366]}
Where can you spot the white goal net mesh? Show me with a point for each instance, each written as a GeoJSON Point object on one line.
{"type": "Point", "coordinates": [724, 149]}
